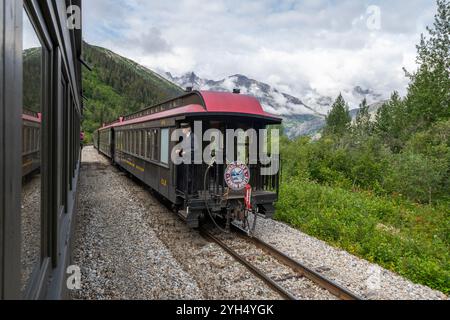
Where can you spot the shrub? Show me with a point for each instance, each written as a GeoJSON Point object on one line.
{"type": "Point", "coordinates": [410, 239]}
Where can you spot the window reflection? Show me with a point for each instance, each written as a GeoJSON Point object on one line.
{"type": "Point", "coordinates": [31, 145]}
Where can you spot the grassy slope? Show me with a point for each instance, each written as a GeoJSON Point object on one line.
{"type": "Point", "coordinates": [410, 239]}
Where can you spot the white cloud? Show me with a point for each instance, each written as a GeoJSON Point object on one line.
{"type": "Point", "coordinates": [319, 45]}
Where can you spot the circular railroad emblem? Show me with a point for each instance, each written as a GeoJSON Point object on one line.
{"type": "Point", "coordinates": [237, 176]}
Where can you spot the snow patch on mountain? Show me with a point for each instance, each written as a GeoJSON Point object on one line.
{"type": "Point", "coordinates": [304, 116]}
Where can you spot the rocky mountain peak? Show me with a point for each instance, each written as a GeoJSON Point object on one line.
{"type": "Point", "coordinates": [300, 118]}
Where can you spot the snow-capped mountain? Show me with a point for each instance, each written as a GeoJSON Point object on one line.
{"type": "Point", "coordinates": [304, 116]}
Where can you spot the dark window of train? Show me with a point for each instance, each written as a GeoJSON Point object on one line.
{"type": "Point", "coordinates": [67, 139]}
{"type": "Point", "coordinates": [60, 142]}
{"type": "Point", "coordinates": [70, 143]}
{"type": "Point", "coordinates": [155, 145]}
{"type": "Point", "coordinates": [138, 143]}
{"type": "Point", "coordinates": [130, 142]}
{"type": "Point", "coordinates": [124, 140]}
{"type": "Point", "coordinates": [148, 145]}
{"type": "Point", "coordinates": [33, 57]}
{"type": "Point", "coordinates": [64, 182]}
{"type": "Point", "coordinates": [143, 136]}
{"type": "Point", "coordinates": [135, 142]}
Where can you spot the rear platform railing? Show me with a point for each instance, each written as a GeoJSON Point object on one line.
{"type": "Point", "coordinates": [191, 180]}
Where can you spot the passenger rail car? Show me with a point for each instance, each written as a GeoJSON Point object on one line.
{"type": "Point", "coordinates": [40, 115]}
{"type": "Point", "coordinates": [141, 144]}
{"type": "Point", "coordinates": [31, 129]}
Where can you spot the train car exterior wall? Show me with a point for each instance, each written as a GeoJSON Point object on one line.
{"type": "Point", "coordinates": [59, 146]}
{"type": "Point", "coordinates": [144, 151]}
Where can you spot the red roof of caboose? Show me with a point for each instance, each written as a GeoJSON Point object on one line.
{"type": "Point", "coordinates": [222, 103]}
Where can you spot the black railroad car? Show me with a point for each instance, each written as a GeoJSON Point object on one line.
{"type": "Point", "coordinates": [31, 130]}
{"type": "Point", "coordinates": [40, 116]}
{"type": "Point", "coordinates": [141, 144]}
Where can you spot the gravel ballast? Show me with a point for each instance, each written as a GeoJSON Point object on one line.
{"type": "Point", "coordinates": [119, 256]}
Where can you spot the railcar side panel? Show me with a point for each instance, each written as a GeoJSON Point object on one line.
{"type": "Point", "coordinates": [41, 72]}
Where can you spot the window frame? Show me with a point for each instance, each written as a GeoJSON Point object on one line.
{"type": "Point", "coordinates": [166, 158]}
{"type": "Point", "coordinates": [155, 145]}
{"type": "Point", "coordinates": [37, 20]}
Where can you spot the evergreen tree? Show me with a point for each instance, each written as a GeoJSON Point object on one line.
{"type": "Point", "coordinates": [338, 119]}
{"type": "Point", "coordinates": [391, 122]}
{"type": "Point", "coordinates": [363, 124]}
{"type": "Point", "coordinates": [428, 98]}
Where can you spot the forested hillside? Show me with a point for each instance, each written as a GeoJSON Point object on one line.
{"type": "Point", "coordinates": [380, 188]}
{"type": "Point", "coordinates": [118, 86]}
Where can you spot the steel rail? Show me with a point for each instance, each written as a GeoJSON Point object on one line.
{"type": "Point", "coordinates": [327, 284]}
{"type": "Point", "coordinates": [270, 282]}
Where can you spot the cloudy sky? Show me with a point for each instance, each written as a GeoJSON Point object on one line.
{"type": "Point", "coordinates": [325, 45]}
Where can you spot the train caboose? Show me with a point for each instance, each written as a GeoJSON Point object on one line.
{"type": "Point", "coordinates": [145, 144]}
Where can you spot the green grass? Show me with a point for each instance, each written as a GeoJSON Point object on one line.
{"type": "Point", "coordinates": [409, 239]}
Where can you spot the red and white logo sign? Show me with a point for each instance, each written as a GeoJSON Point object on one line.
{"type": "Point", "coordinates": [237, 176]}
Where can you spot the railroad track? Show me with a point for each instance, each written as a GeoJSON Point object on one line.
{"type": "Point", "coordinates": [297, 268]}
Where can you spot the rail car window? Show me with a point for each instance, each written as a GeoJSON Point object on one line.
{"type": "Point", "coordinates": [138, 143]}
{"type": "Point", "coordinates": [132, 142]}
{"type": "Point", "coordinates": [129, 141]}
{"type": "Point", "coordinates": [33, 54]}
{"type": "Point", "coordinates": [148, 146]}
{"type": "Point", "coordinates": [142, 148]}
{"type": "Point", "coordinates": [63, 156]}
{"type": "Point", "coordinates": [129, 134]}
{"type": "Point", "coordinates": [125, 141]}
{"type": "Point", "coordinates": [155, 145]}
{"type": "Point", "coordinates": [165, 146]}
